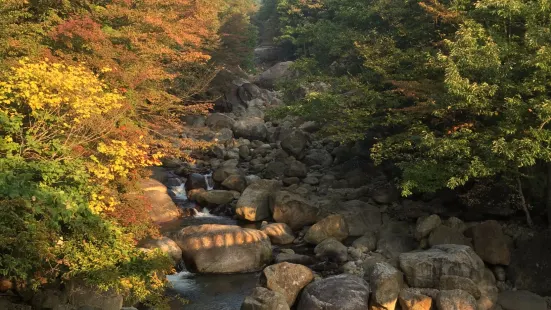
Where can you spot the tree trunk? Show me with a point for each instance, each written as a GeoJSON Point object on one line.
{"type": "Point", "coordinates": [548, 202]}
{"type": "Point", "coordinates": [523, 203]}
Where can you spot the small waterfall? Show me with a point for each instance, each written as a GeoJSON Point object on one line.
{"type": "Point", "coordinates": [180, 192]}
{"type": "Point", "coordinates": [209, 182]}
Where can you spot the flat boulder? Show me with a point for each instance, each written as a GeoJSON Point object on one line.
{"type": "Point", "coordinates": [425, 268]}
{"type": "Point", "coordinates": [293, 210]}
{"type": "Point", "coordinates": [287, 279]}
{"type": "Point", "coordinates": [521, 300]}
{"type": "Point", "coordinates": [342, 292]}
{"type": "Point", "coordinates": [223, 249]}
{"type": "Point", "coordinates": [215, 197]}
{"type": "Point", "coordinates": [264, 299]}
{"type": "Point", "coordinates": [333, 226]}
{"type": "Point", "coordinates": [256, 201]}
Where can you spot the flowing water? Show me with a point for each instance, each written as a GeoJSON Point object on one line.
{"type": "Point", "coordinates": [207, 292]}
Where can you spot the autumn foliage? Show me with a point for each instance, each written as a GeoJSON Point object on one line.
{"type": "Point", "coordinates": [90, 94]}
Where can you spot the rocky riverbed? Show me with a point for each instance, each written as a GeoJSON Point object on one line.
{"type": "Point", "coordinates": [286, 221]}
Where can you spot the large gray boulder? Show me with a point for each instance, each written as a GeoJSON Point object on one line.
{"type": "Point", "coordinates": [256, 201]}
{"type": "Point", "coordinates": [252, 128]}
{"type": "Point", "coordinates": [294, 142]}
{"type": "Point", "coordinates": [294, 210]}
{"type": "Point", "coordinates": [333, 226]}
{"type": "Point", "coordinates": [331, 249]}
{"type": "Point", "coordinates": [424, 269]}
{"type": "Point", "coordinates": [278, 72]}
{"type": "Point", "coordinates": [490, 243]}
{"type": "Point", "coordinates": [288, 279]}
{"type": "Point", "coordinates": [263, 299]}
{"type": "Point", "coordinates": [223, 249]}
{"type": "Point", "coordinates": [219, 121]}
{"type": "Point", "coordinates": [342, 292]}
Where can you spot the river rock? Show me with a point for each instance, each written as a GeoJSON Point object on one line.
{"type": "Point", "coordinates": [521, 300]}
{"type": "Point", "coordinates": [424, 269]}
{"type": "Point", "coordinates": [318, 157]}
{"type": "Point", "coordinates": [252, 128]}
{"type": "Point", "coordinates": [270, 77]}
{"type": "Point", "coordinates": [224, 171]}
{"type": "Point", "coordinates": [332, 250]}
{"type": "Point", "coordinates": [274, 170]}
{"type": "Point", "coordinates": [366, 243]}
{"type": "Point", "coordinates": [196, 181]}
{"type": "Point", "coordinates": [279, 233]}
{"type": "Point", "coordinates": [293, 210]}
{"type": "Point", "coordinates": [445, 235]}
{"type": "Point", "coordinates": [448, 282]}
{"type": "Point", "coordinates": [333, 226]}
{"type": "Point", "coordinates": [490, 243]}
{"type": "Point", "coordinates": [235, 182]}
{"type": "Point", "coordinates": [295, 168]}
{"type": "Point", "coordinates": [214, 197]}
{"type": "Point", "coordinates": [288, 279]}
{"type": "Point", "coordinates": [530, 267]}
{"type": "Point", "coordinates": [342, 292]}
{"type": "Point", "coordinates": [386, 283]}
{"type": "Point", "coordinates": [426, 225]}
{"type": "Point", "coordinates": [223, 249]}
{"type": "Point", "coordinates": [219, 121]}
{"type": "Point", "coordinates": [410, 299]}
{"type": "Point", "coordinates": [360, 217]}
{"type": "Point", "coordinates": [294, 142]}
{"type": "Point", "coordinates": [163, 209]}
{"type": "Point", "coordinates": [455, 223]}
{"type": "Point", "coordinates": [393, 244]}
{"type": "Point", "coordinates": [256, 201]}
{"type": "Point", "coordinates": [455, 300]}
{"type": "Point", "coordinates": [295, 259]}
{"type": "Point", "coordinates": [166, 245]}
{"type": "Point", "coordinates": [75, 295]}
{"type": "Point", "coordinates": [264, 299]}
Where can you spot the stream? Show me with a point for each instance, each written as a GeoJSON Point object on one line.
{"type": "Point", "coordinates": [206, 292]}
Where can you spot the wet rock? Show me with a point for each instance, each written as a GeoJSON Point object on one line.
{"type": "Point", "coordinates": [366, 243]}
{"type": "Point", "coordinates": [455, 300]}
{"type": "Point", "coordinates": [410, 299]}
{"type": "Point", "coordinates": [235, 182]}
{"type": "Point", "coordinates": [424, 269]}
{"type": "Point", "coordinates": [530, 267]}
{"type": "Point", "coordinates": [256, 201]}
{"type": "Point", "coordinates": [223, 249]}
{"type": "Point", "coordinates": [445, 235]}
{"type": "Point", "coordinates": [196, 181]}
{"type": "Point", "coordinates": [332, 250]}
{"type": "Point", "coordinates": [386, 283]}
{"type": "Point", "coordinates": [166, 245]}
{"type": "Point", "coordinates": [336, 293]}
{"type": "Point", "coordinates": [426, 225]}
{"type": "Point", "coordinates": [333, 226]}
{"type": "Point", "coordinates": [295, 259]}
{"type": "Point", "coordinates": [448, 282]}
{"type": "Point", "coordinates": [252, 128]}
{"type": "Point", "coordinates": [294, 142]}
{"type": "Point", "coordinates": [264, 299]}
{"type": "Point", "coordinates": [293, 210]}
{"type": "Point", "coordinates": [521, 300]}
{"type": "Point", "coordinates": [279, 233]}
{"type": "Point", "coordinates": [288, 279]}
{"type": "Point", "coordinates": [490, 243]}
